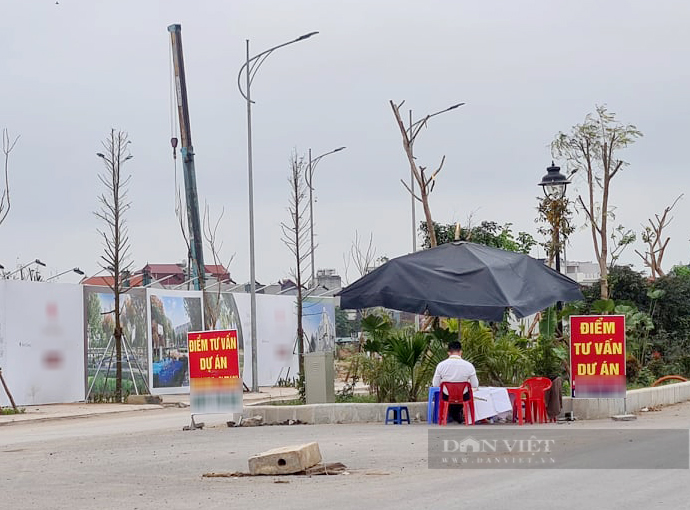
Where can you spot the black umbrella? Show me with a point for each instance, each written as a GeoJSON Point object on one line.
{"type": "Point", "coordinates": [462, 279]}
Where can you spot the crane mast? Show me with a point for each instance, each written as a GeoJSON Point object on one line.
{"type": "Point", "coordinates": [187, 152]}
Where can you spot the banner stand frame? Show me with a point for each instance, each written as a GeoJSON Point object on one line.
{"type": "Point", "coordinates": [7, 390]}
{"type": "Point", "coordinates": [129, 350]}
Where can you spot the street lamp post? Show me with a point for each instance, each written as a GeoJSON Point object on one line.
{"type": "Point", "coordinates": [24, 267]}
{"type": "Point", "coordinates": [73, 270]}
{"type": "Point", "coordinates": [250, 67]}
{"type": "Point", "coordinates": [412, 132]}
{"type": "Point", "coordinates": [554, 184]}
{"type": "Point", "coordinates": [308, 177]}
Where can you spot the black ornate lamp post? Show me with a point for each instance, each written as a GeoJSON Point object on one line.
{"type": "Point", "coordinates": [554, 184]}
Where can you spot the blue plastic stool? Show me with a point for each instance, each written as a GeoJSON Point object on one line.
{"type": "Point", "coordinates": [432, 405]}
{"type": "Point", "coordinates": [397, 417]}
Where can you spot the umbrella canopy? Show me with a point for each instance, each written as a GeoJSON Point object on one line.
{"type": "Point", "coordinates": [462, 279]}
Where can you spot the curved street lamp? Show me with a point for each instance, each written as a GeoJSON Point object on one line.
{"type": "Point", "coordinates": [74, 269]}
{"type": "Point", "coordinates": [38, 262]}
{"type": "Point", "coordinates": [308, 177]}
{"type": "Point", "coordinates": [412, 132]}
{"type": "Point", "coordinates": [250, 67]}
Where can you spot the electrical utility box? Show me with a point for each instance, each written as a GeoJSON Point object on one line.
{"type": "Point", "coordinates": [319, 377]}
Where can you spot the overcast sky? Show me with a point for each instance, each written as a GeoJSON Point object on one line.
{"type": "Point", "coordinates": [526, 70]}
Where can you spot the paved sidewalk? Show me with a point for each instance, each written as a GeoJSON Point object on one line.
{"type": "Point", "coordinates": [73, 410]}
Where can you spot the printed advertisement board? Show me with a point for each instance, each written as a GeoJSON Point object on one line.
{"type": "Point", "coordinates": [597, 356]}
{"type": "Point", "coordinates": [214, 372]}
{"type": "Point", "coordinates": [41, 342]}
{"type": "Point", "coordinates": [172, 314]}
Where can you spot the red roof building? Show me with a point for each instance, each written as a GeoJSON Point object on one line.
{"type": "Point", "coordinates": [168, 275]}
{"type": "Point", "coordinates": [107, 281]}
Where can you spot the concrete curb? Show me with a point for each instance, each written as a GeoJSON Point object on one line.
{"type": "Point", "coordinates": [596, 408]}
{"type": "Point", "coordinates": [584, 409]}
{"type": "Point", "coordinates": [331, 413]}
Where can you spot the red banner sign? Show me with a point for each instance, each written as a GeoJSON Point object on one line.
{"type": "Point", "coordinates": [213, 354]}
{"type": "Point", "coordinates": [597, 356]}
{"type": "Point", "coordinates": [214, 372]}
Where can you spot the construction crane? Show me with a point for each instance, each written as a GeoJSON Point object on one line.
{"type": "Point", "coordinates": [187, 151]}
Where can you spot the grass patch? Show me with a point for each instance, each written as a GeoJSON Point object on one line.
{"type": "Point", "coordinates": [355, 399]}
{"type": "Point", "coordinates": [339, 399]}
{"type": "Point", "coordinates": [9, 410]}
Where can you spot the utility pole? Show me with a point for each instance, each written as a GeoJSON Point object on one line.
{"type": "Point", "coordinates": [187, 151]}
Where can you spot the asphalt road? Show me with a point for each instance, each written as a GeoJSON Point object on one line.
{"type": "Point", "coordinates": [144, 460]}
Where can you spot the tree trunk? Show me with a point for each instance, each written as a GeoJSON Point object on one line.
{"type": "Point", "coordinates": [429, 221]}
{"type": "Point", "coordinates": [117, 333]}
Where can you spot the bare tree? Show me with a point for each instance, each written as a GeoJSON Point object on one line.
{"type": "Point", "coordinates": [113, 206]}
{"type": "Point", "coordinates": [212, 297]}
{"type": "Point", "coordinates": [591, 148]}
{"type": "Point", "coordinates": [362, 258]}
{"type": "Point", "coordinates": [7, 145]}
{"type": "Point", "coordinates": [296, 238]}
{"type": "Point", "coordinates": [654, 237]}
{"type": "Point", "coordinates": [424, 181]}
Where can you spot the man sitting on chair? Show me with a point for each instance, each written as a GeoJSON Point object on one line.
{"type": "Point", "coordinates": [455, 369]}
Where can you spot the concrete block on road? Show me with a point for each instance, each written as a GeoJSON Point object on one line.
{"type": "Point", "coordinates": [286, 460]}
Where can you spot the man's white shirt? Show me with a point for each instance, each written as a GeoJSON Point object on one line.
{"type": "Point", "coordinates": [455, 369]}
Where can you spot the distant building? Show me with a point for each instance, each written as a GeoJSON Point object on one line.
{"type": "Point", "coordinates": [164, 275]}
{"type": "Point", "coordinates": [328, 279]}
{"type": "Point", "coordinates": [586, 273]}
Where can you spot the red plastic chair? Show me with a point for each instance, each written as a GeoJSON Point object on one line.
{"type": "Point", "coordinates": [537, 387]}
{"type": "Point", "coordinates": [456, 395]}
{"type": "Point", "coordinates": [521, 406]}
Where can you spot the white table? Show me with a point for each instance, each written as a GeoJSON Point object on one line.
{"type": "Point", "coordinates": [490, 401]}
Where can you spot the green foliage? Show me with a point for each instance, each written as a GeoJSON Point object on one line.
{"type": "Point", "coordinates": [499, 360]}
{"type": "Point", "coordinates": [488, 233]}
{"type": "Point", "coordinates": [354, 399]}
{"type": "Point", "coordinates": [632, 368]}
{"type": "Point", "coordinates": [344, 327]}
{"type": "Point", "coordinates": [603, 306]}
{"type": "Point", "coordinates": [548, 322]}
{"type": "Point", "coordinates": [11, 410]}
{"type": "Point", "coordinates": [548, 357]}
{"type": "Point", "coordinates": [556, 215]}
{"type": "Point", "coordinates": [672, 313]}
{"type": "Point", "coordinates": [408, 348]}
{"type": "Point", "coordinates": [645, 378]}
{"type": "Point", "coordinates": [402, 352]}
{"type": "Point", "coordinates": [387, 379]}
{"type": "Point", "coordinates": [680, 271]}
{"type": "Point", "coordinates": [376, 328]}
{"type": "Point", "coordinates": [626, 284]}
{"type": "Point", "coordinates": [104, 390]}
